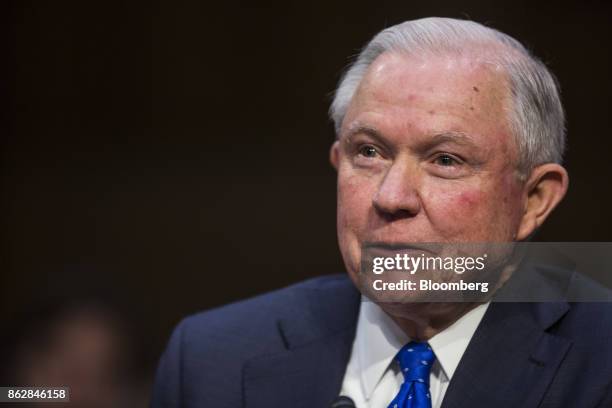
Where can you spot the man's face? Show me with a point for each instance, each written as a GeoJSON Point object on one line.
{"type": "Point", "coordinates": [425, 154]}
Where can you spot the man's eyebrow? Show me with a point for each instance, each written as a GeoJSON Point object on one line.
{"type": "Point", "coordinates": [367, 130]}
{"type": "Point", "coordinates": [436, 138]}
{"type": "Point", "coordinates": [450, 136]}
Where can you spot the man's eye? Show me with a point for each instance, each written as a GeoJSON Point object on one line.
{"type": "Point", "coordinates": [446, 160]}
{"type": "Point", "coordinates": [368, 151]}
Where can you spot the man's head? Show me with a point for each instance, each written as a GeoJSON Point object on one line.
{"type": "Point", "coordinates": [447, 131]}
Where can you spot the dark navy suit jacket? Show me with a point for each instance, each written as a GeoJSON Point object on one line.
{"type": "Point", "coordinates": [290, 348]}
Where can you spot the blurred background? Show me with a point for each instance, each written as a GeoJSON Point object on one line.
{"type": "Point", "coordinates": [159, 158]}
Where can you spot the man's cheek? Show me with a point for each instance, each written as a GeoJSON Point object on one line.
{"type": "Point", "coordinates": [355, 188]}
{"type": "Point", "coordinates": [455, 210]}
{"type": "Point", "coordinates": [354, 201]}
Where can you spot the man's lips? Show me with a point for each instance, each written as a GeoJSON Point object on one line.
{"type": "Point", "coordinates": [400, 247]}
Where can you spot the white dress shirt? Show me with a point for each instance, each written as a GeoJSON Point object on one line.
{"type": "Point", "coordinates": [373, 378]}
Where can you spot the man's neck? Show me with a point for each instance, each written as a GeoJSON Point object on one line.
{"type": "Point", "coordinates": [422, 321]}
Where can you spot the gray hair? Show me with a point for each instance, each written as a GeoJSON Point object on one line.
{"type": "Point", "coordinates": [536, 118]}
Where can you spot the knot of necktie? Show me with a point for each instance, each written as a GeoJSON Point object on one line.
{"type": "Point", "coordinates": [415, 361]}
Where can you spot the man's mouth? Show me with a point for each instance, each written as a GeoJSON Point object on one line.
{"type": "Point", "coordinates": [383, 248]}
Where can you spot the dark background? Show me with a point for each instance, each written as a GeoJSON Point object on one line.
{"type": "Point", "coordinates": [172, 155]}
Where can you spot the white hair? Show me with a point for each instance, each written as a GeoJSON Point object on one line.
{"type": "Point", "coordinates": [536, 118]}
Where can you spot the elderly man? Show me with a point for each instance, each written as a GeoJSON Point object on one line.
{"type": "Point", "coordinates": [447, 132]}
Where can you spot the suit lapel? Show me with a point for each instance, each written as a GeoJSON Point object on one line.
{"type": "Point", "coordinates": [307, 377]}
{"type": "Point", "coordinates": [318, 335]}
{"type": "Point", "coordinates": [511, 359]}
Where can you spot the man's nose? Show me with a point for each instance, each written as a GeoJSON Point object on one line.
{"type": "Point", "coordinates": [397, 195]}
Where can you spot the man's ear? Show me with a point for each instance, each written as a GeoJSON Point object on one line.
{"type": "Point", "coordinates": [545, 188]}
{"type": "Point", "coordinates": [334, 154]}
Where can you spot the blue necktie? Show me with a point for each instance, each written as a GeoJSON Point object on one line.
{"type": "Point", "coordinates": [415, 360]}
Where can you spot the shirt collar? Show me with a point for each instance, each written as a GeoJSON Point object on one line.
{"type": "Point", "coordinates": [379, 338]}
{"type": "Point", "coordinates": [450, 344]}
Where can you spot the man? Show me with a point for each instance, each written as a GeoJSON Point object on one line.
{"type": "Point", "coordinates": [448, 132]}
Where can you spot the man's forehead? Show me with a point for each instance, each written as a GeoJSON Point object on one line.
{"type": "Point", "coordinates": [399, 75]}
{"type": "Point", "coordinates": [432, 94]}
